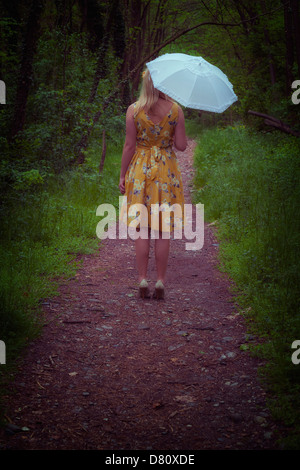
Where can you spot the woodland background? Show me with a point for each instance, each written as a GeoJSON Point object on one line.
{"type": "Point", "coordinates": [71, 68]}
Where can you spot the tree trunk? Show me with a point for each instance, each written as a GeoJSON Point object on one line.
{"type": "Point", "coordinates": [26, 70]}
{"type": "Point", "coordinates": [103, 153]}
{"type": "Point", "coordinates": [296, 29]}
{"type": "Point", "coordinates": [239, 7]}
{"type": "Point", "coordinates": [272, 121]}
{"type": "Point", "coordinates": [99, 73]}
{"type": "Point", "coordinates": [268, 43]}
{"type": "Point", "coordinates": [289, 43]}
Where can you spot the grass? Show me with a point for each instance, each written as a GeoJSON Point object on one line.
{"type": "Point", "coordinates": [249, 183]}
{"type": "Point", "coordinates": [43, 231]}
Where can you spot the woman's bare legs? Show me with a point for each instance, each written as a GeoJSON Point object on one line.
{"type": "Point", "coordinates": [142, 247]}
{"type": "Point", "coordinates": [162, 247]}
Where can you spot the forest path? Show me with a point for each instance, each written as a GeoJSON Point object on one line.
{"type": "Point", "coordinates": [112, 371]}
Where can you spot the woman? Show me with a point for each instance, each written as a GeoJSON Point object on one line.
{"type": "Point", "coordinates": [150, 174]}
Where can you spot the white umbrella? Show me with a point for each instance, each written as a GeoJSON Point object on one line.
{"type": "Point", "coordinates": [192, 82]}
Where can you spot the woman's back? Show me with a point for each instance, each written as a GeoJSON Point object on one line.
{"type": "Point", "coordinates": [159, 110]}
{"type": "Point", "coordinates": [156, 130]}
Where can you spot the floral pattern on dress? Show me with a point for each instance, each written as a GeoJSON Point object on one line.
{"type": "Point", "coordinates": [153, 177]}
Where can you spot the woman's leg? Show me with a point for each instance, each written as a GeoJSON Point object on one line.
{"type": "Point", "coordinates": [142, 247]}
{"type": "Point", "coordinates": [162, 247]}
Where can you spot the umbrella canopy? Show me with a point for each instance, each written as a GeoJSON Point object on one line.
{"type": "Point", "coordinates": [192, 82]}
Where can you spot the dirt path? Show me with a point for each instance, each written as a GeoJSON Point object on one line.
{"type": "Point", "coordinates": [113, 372]}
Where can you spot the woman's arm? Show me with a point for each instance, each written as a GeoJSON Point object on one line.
{"type": "Point", "coordinates": [180, 140]}
{"type": "Point", "coordinates": [129, 147]}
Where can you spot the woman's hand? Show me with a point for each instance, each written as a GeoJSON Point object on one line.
{"type": "Point", "coordinates": [122, 184]}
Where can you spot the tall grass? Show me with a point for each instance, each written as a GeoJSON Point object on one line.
{"type": "Point", "coordinates": [43, 229]}
{"type": "Point", "coordinates": [249, 184]}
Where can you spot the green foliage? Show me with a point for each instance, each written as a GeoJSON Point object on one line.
{"type": "Point", "coordinates": [28, 180]}
{"type": "Point", "coordinates": [45, 223]}
{"type": "Point", "coordinates": [249, 185]}
{"type": "Point", "coordinates": [58, 108]}
{"type": "Point", "coordinates": [245, 53]}
{"type": "Point", "coordinates": [48, 210]}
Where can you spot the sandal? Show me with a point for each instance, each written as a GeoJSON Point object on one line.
{"type": "Point", "coordinates": [159, 292]}
{"type": "Point", "coordinates": [144, 292]}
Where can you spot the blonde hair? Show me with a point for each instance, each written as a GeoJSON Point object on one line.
{"type": "Point", "coordinates": [148, 94]}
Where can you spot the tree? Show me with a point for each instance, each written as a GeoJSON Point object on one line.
{"type": "Point", "coordinates": [100, 73]}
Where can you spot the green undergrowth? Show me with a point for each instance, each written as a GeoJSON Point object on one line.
{"type": "Point", "coordinates": [249, 183]}
{"type": "Point", "coordinates": [47, 221]}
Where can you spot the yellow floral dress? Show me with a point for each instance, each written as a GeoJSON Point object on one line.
{"type": "Point", "coordinates": [153, 178]}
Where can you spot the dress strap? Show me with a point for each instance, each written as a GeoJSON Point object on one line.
{"type": "Point", "coordinates": [134, 112]}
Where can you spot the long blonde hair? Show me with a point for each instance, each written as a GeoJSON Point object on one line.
{"type": "Point", "coordinates": [148, 94]}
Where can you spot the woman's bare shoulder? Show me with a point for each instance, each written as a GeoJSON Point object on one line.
{"type": "Point", "coordinates": [132, 106]}
{"type": "Point", "coordinates": [180, 111]}
{"type": "Point", "coordinates": [131, 110]}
